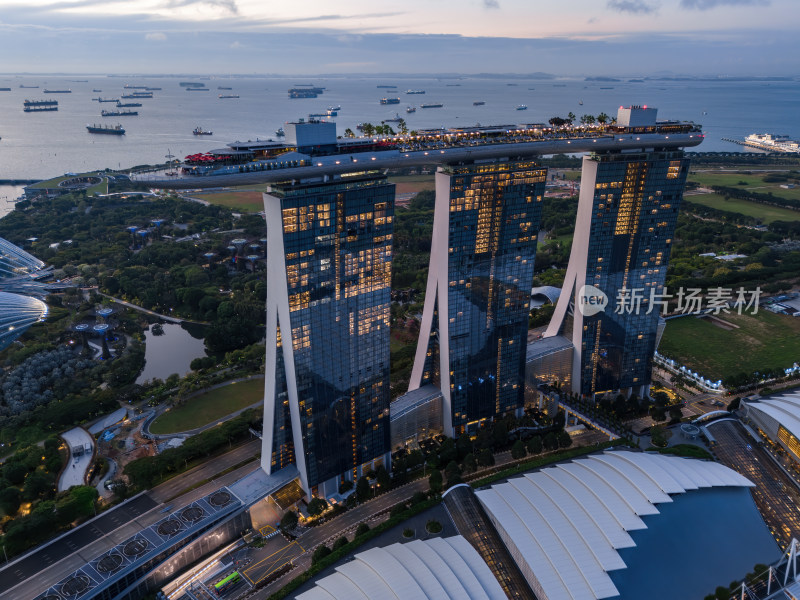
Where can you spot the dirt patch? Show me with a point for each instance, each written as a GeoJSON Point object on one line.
{"type": "Point", "coordinates": [726, 325]}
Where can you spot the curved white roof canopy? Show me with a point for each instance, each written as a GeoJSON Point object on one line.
{"type": "Point", "coordinates": [14, 261]}
{"type": "Point", "coordinates": [566, 523]}
{"type": "Point", "coordinates": [435, 569]}
{"type": "Point", "coordinates": [784, 409]}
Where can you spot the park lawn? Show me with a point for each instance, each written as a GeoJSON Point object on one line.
{"type": "Point", "coordinates": [754, 183]}
{"type": "Point", "coordinates": [763, 341]}
{"type": "Point", "coordinates": [561, 239]}
{"type": "Point", "coordinates": [767, 214]}
{"type": "Point", "coordinates": [206, 408]}
{"type": "Point", "coordinates": [245, 200]}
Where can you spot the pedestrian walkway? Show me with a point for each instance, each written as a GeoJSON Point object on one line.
{"type": "Point", "coordinates": [81, 450]}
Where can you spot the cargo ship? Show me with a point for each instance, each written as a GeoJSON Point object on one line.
{"type": "Point", "coordinates": [305, 92]}
{"type": "Point", "coordinates": [153, 89]}
{"type": "Point", "coordinates": [229, 95]}
{"type": "Point", "coordinates": [390, 100]}
{"type": "Point", "coordinates": [140, 95]}
{"type": "Point", "coordinates": [107, 99]}
{"type": "Point", "coordinates": [220, 87]}
{"type": "Point", "coordinates": [128, 86]}
{"type": "Point", "coordinates": [29, 86]}
{"type": "Point", "coordinates": [415, 91]}
{"type": "Point", "coordinates": [5, 89]}
{"type": "Point", "coordinates": [128, 104]}
{"type": "Point", "coordinates": [40, 105]}
{"type": "Point", "coordinates": [432, 105]}
{"type": "Point", "coordinates": [191, 84]}
{"type": "Point", "coordinates": [107, 129]}
{"type": "Point", "coordinates": [197, 89]}
{"type": "Point", "coordinates": [478, 103]}
{"type": "Point", "coordinates": [387, 87]}
{"type": "Point", "coordinates": [200, 131]}
{"type": "Point", "coordinates": [119, 113]}
{"type": "Point", "coordinates": [57, 91]}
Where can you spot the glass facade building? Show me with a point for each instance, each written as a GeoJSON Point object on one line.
{"type": "Point", "coordinates": [329, 272]}
{"type": "Point", "coordinates": [627, 213]}
{"type": "Point", "coordinates": [474, 327]}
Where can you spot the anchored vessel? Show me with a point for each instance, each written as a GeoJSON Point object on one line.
{"type": "Point", "coordinates": [390, 100]}
{"type": "Point", "coordinates": [432, 105]}
{"type": "Point", "coordinates": [39, 105]}
{"type": "Point", "coordinates": [201, 131]}
{"type": "Point", "coordinates": [107, 129]}
{"type": "Point", "coordinates": [119, 113]}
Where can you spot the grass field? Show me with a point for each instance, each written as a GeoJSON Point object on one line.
{"type": "Point", "coordinates": [208, 407]}
{"type": "Point", "coordinates": [754, 182]}
{"type": "Point", "coordinates": [763, 341]}
{"type": "Point", "coordinates": [767, 214]}
{"type": "Point", "coordinates": [240, 200]}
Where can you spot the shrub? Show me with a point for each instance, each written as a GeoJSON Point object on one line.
{"type": "Point", "coordinates": [340, 543]}
{"type": "Point", "coordinates": [433, 526]}
{"type": "Point", "coordinates": [320, 553]}
{"type": "Point", "coordinates": [362, 529]}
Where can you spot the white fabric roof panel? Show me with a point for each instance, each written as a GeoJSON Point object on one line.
{"type": "Point", "coordinates": [599, 544]}
{"type": "Point", "coordinates": [665, 482]}
{"type": "Point", "coordinates": [563, 521]}
{"type": "Point", "coordinates": [784, 409]}
{"type": "Point", "coordinates": [591, 504]}
{"type": "Point", "coordinates": [435, 569]}
{"type": "Point", "coordinates": [621, 507]}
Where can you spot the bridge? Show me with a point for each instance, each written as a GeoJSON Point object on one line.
{"type": "Point", "coordinates": [433, 148]}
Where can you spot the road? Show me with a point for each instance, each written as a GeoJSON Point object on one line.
{"type": "Point", "coordinates": [147, 311]}
{"type": "Point", "coordinates": [173, 487]}
{"type": "Point", "coordinates": [75, 471]}
{"type": "Point", "coordinates": [776, 494]}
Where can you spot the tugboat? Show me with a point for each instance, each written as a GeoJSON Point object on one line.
{"type": "Point", "coordinates": [107, 129]}
{"type": "Point", "coordinates": [200, 131]}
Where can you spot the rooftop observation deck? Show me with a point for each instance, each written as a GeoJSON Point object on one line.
{"type": "Point", "coordinates": [269, 161]}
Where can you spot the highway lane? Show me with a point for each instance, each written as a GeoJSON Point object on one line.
{"type": "Point", "coordinates": [171, 488]}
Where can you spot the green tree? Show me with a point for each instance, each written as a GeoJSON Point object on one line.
{"type": "Point", "coordinates": [435, 481]}
{"type": "Point", "coordinates": [470, 464]}
{"type": "Point", "coordinates": [320, 553]}
{"type": "Point", "coordinates": [485, 458]}
{"type": "Point", "coordinates": [535, 445]}
{"type": "Point", "coordinates": [340, 543]}
{"type": "Point", "coordinates": [362, 489]}
{"type": "Point", "coordinates": [288, 520]}
{"type": "Point", "coordinates": [564, 439]}
{"type": "Point", "coordinates": [10, 499]}
{"type": "Point", "coordinates": [550, 441]}
{"type": "Point", "coordinates": [317, 506]}
{"type": "Point", "coordinates": [361, 529]}
{"type": "Point", "coordinates": [37, 485]}
{"type": "Point", "coordinates": [453, 473]}
{"type": "Point", "coordinates": [384, 480]}
{"type": "Point", "coordinates": [518, 450]}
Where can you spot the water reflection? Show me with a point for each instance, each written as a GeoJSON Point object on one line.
{"type": "Point", "coordinates": [172, 351]}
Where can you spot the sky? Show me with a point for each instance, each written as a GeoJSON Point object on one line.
{"type": "Point", "coordinates": [565, 37]}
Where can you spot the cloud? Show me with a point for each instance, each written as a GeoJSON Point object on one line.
{"type": "Point", "coordinates": [156, 37]}
{"type": "Point", "coordinates": [709, 4]}
{"type": "Point", "coordinates": [635, 7]}
{"type": "Point", "coordinates": [226, 5]}
{"type": "Point", "coordinates": [236, 45]}
{"type": "Point", "coordinates": [491, 4]}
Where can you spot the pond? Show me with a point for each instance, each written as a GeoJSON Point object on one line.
{"type": "Point", "coordinates": [171, 352]}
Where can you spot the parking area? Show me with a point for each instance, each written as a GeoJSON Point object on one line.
{"type": "Point", "coordinates": [81, 450]}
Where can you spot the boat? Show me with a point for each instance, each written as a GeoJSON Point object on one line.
{"type": "Point", "coordinates": [395, 119]}
{"type": "Point", "coordinates": [411, 109]}
{"type": "Point", "coordinates": [40, 105]}
{"type": "Point", "coordinates": [772, 142]}
{"type": "Point", "coordinates": [522, 107]}
{"type": "Point", "coordinates": [318, 115]}
{"type": "Point", "coordinates": [332, 113]}
{"type": "Point", "coordinates": [229, 95]}
{"type": "Point", "coordinates": [390, 100]}
{"type": "Point", "coordinates": [196, 89]}
{"type": "Point", "coordinates": [119, 113]}
{"type": "Point", "coordinates": [387, 87]}
{"type": "Point", "coordinates": [200, 131]}
{"type": "Point", "coordinates": [219, 87]}
{"type": "Point", "coordinates": [57, 91]}
{"type": "Point", "coordinates": [580, 102]}
{"type": "Point", "coordinates": [337, 107]}
{"type": "Point", "coordinates": [134, 95]}
{"type": "Point", "coordinates": [28, 86]}
{"type": "Point", "coordinates": [478, 103]}
{"type": "Point", "coordinates": [107, 99]}
{"type": "Point", "coordinates": [191, 84]}
{"type": "Point", "coordinates": [280, 132]}
{"type": "Point", "coordinates": [5, 89]}
{"type": "Point", "coordinates": [415, 91]}
{"type": "Point", "coordinates": [128, 104]}
{"type": "Point", "coordinates": [97, 91]}
{"type": "Point", "coordinates": [107, 129]}
{"type": "Point", "coordinates": [303, 91]}
{"type": "Point", "coordinates": [432, 105]}
{"type": "Point", "coordinates": [153, 89]}
{"type": "Point", "coordinates": [128, 86]}
{"type": "Point", "coordinates": [607, 88]}
{"type": "Point", "coordinates": [453, 85]}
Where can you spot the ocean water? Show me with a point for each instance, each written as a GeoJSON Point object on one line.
{"type": "Point", "coordinates": [43, 145]}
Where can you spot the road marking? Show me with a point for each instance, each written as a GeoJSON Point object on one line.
{"type": "Point", "coordinates": [269, 529]}
{"type": "Point", "coordinates": [276, 562]}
